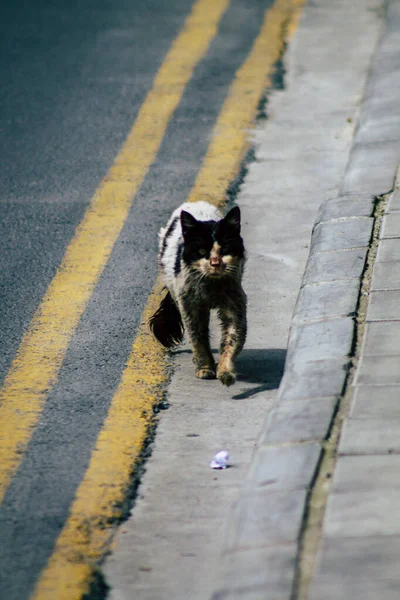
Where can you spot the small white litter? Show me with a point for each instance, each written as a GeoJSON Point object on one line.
{"type": "Point", "coordinates": [219, 460]}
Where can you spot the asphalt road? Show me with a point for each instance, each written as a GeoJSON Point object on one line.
{"type": "Point", "coordinates": [74, 77]}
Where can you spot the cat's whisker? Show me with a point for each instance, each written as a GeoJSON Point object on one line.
{"type": "Point", "coordinates": [197, 249]}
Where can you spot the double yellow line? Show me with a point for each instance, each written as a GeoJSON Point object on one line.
{"type": "Point", "coordinates": [40, 355]}
{"type": "Point", "coordinates": [87, 533]}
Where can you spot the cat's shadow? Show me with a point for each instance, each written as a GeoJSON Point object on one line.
{"type": "Point", "coordinates": [260, 366]}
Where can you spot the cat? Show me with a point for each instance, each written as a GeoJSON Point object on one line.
{"type": "Point", "coordinates": [201, 258]}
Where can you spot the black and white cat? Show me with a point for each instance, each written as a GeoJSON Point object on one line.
{"type": "Point", "coordinates": [201, 256]}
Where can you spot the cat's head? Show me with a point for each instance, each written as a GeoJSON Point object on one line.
{"type": "Point", "coordinates": [213, 248]}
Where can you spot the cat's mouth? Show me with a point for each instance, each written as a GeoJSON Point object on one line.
{"type": "Point", "coordinates": [216, 271]}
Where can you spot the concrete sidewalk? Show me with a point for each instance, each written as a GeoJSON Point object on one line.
{"type": "Point", "coordinates": [316, 515]}
{"type": "Point", "coordinates": [319, 514]}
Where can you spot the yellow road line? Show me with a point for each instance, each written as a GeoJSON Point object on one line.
{"type": "Point", "coordinates": [98, 502]}
{"type": "Point", "coordinates": [87, 534]}
{"type": "Point", "coordinates": [230, 140]}
{"type": "Point", "coordinates": [41, 352]}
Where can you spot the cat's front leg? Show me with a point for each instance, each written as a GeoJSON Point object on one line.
{"type": "Point", "coordinates": [234, 327]}
{"type": "Point", "coordinates": [197, 322]}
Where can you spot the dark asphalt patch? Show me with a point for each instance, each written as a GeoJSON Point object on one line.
{"type": "Point", "coordinates": [37, 502]}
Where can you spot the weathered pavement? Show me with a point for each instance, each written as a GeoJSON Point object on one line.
{"type": "Point", "coordinates": [317, 515]}
{"type": "Point", "coordinates": [83, 379]}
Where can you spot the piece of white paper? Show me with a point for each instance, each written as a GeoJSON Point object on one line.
{"type": "Point", "coordinates": [219, 460]}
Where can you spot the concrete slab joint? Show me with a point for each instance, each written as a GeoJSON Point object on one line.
{"type": "Point", "coordinates": [301, 434]}
{"type": "Point", "coordinates": [265, 544]}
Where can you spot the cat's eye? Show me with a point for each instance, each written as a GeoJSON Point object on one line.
{"type": "Point", "coordinates": [202, 251]}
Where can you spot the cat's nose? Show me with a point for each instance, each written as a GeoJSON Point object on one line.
{"type": "Point", "coordinates": [215, 261]}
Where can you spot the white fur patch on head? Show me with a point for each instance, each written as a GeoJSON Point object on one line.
{"type": "Point", "coordinates": [202, 211]}
{"type": "Point", "coordinates": [216, 249]}
{"type": "Point", "coordinates": [170, 240]}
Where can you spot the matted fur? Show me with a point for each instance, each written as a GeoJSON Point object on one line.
{"type": "Point", "coordinates": [201, 258]}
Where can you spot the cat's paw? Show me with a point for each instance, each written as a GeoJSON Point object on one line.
{"type": "Point", "coordinates": [227, 377]}
{"type": "Point", "coordinates": [205, 373]}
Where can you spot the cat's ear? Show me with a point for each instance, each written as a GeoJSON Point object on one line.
{"type": "Point", "coordinates": [232, 218]}
{"type": "Point", "coordinates": [188, 222]}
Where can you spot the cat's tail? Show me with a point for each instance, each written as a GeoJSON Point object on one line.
{"type": "Point", "coordinates": [166, 323]}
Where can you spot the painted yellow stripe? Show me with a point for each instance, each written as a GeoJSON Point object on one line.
{"type": "Point", "coordinates": [230, 141]}
{"type": "Point", "coordinates": [98, 502]}
{"type": "Point", "coordinates": [39, 358]}
{"type": "Point", "coordinates": [87, 535]}
{"type": "Point", "coordinates": [293, 23]}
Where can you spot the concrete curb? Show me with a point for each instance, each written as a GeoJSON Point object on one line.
{"type": "Point", "coordinates": [262, 543]}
